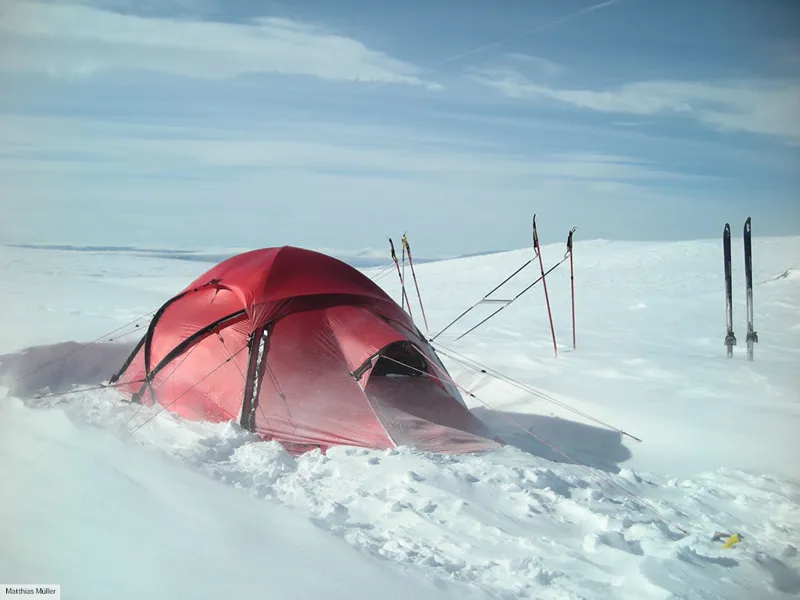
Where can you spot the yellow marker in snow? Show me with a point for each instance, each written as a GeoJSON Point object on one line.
{"type": "Point", "coordinates": [734, 539]}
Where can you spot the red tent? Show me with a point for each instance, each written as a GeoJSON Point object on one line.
{"type": "Point", "coordinates": [304, 349]}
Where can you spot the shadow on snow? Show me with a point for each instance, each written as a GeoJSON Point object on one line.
{"type": "Point", "coordinates": [594, 447]}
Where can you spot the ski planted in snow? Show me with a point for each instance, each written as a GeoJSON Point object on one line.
{"type": "Point", "coordinates": [752, 336]}
{"type": "Point", "coordinates": [571, 283]}
{"type": "Point", "coordinates": [730, 338]}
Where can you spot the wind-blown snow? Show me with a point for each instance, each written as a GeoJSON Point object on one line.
{"type": "Point", "coordinates": [186, 509]}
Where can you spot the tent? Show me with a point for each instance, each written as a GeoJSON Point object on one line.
{"type": "Point", "coordinates": [301, 348]}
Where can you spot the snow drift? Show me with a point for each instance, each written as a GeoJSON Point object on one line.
{"type": "Point", "coordinates": [56, 368]}
{"type": "Point", "coordinates": [105, 497]}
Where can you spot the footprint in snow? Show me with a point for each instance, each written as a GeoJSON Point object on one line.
{"type": "Point", "coordinates": [412, 476]}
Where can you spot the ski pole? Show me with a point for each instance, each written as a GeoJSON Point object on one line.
{"type": "Point", "coordinates": [537, 248]}
{"type": "Point", "coordinates": [403, 262]}
{"type": "Point", "coordinates": [404, 297]}
{"type": "Point", "coordinates": [407, 246]}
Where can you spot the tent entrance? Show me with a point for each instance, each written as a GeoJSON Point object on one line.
{"type": "Point", "coordinates": [399, 359]}
{"type": "Point", "coordinates": [416, 409]}
{"type": "Point", "coordinates": [415, 406]}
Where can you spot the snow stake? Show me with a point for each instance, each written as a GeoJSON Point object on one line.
{"type": "Point", "coordinates": [537, 249]}
{"type": "Point", "coordinates": [407, 247]}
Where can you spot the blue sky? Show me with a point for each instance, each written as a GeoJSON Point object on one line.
{"type": "Point", "coordinates": [194, 123]}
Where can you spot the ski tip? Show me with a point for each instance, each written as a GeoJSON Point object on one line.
{"type": "Point", "coordinates": [747, 224]}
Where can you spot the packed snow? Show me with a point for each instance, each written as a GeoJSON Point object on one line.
{"type": "Point", "coordinates": [105, 498]}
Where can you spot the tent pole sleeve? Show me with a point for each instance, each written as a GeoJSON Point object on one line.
{"type": "Point", "coordinates": [254, 346]}
{"type": "Point", "coordinates": [128, 361]}
{"type": "Point", "coordinates": [157, 317]}
{"type": "Point", "coordinates": [187, 343]}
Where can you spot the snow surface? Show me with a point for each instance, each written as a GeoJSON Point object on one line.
{"type": "Point", "coordinates": [109, 500]}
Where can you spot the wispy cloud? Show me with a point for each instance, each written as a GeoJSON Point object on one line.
{"type": "Point", "coordinates": [543, 65]}
{"type": "Point", "coordinates": [63, 39]}
{"type": "Point", "coordinates": [769, 107]}
{"type": "Point", "coordinates": [145, 184]}
{"type": "Point", "coordinates": [66, 145]}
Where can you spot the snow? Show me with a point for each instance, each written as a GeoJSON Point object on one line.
{"type": "Point", "coordinates": [109, 499]}
{"type": "Point", "coordinates": [82, 509]}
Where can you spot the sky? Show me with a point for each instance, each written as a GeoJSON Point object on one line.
{"type": "Point", "coordinates": [204, 123]}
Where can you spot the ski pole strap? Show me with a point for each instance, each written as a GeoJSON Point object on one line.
{"type": "Point", "coordinates": [394, 255]}
{"type": "Point", "coordinates": [569, 240]}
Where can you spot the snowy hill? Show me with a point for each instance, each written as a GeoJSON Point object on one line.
{"type": "Point", "coordinates": [184, 509]}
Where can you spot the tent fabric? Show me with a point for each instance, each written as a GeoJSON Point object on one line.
{"type": "Point", "coordinates": [303, 349]}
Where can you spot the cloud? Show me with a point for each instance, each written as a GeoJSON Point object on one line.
{"type": "Point", "coordinates": [71, 40]}
{"type": "Point", "coordinates": [273, 207]}
{"type": "Point", "coordinates": [90, 181]}
{"type": "Point", "coordinates": [770, 107]}
{"type": "Point", "coordinates": [61, 145]}
{"type": "Point", "coordinates": [543, 65]}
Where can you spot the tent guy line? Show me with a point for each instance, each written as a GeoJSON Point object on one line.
{"type": "Point", "coordinates": [480, 368]}
{"type": "Point", "coordinates": [575, 461]}
{"type": "Point", "coordinates": [136, 412]}
{"type": "Point", "coordinates": [505, 303]}
{"type": "Point", "coordinates": [181, 395]}
{"type": "Point", "coordinates": [99, 386]}
{"type": "Point", "coordinates": [94, 341]}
